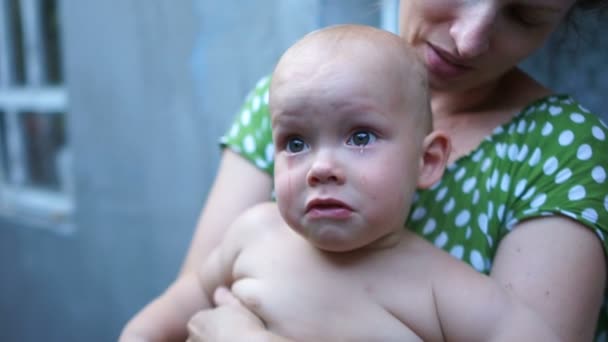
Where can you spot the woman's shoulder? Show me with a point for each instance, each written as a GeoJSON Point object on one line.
{"type": "Point", "coordinates": [551, 123]}
{"type": "Point", "coordinates": [250, 133]}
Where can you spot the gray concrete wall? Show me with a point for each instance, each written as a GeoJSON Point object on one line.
{"type": "Point", "coordinates": [152, 85]}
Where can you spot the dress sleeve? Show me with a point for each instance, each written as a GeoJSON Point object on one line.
{"type": "Point", "coordinates": [565, 172]}
{"type": "Point", "coordinates": [250, 135]}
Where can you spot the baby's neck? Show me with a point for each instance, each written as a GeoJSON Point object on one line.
{"type": "Point", "coordinates": [385, 242]}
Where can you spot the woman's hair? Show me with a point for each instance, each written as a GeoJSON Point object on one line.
{"type": "Point", "coordinates": [591, 4]}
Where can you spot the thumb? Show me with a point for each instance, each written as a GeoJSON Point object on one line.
{"type": "Point", "coordinates": [223, 296]}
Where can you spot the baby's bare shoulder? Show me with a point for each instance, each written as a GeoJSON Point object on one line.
{"type": "Point", "coordinates": [256, 222]}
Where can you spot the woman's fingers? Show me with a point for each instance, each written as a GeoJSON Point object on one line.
{"type": "Point", "coordinates": [223, 296]}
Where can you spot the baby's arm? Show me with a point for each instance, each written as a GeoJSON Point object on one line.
{"type": "Point", "coordinates": [166, 318]}
{"type": "Point", "coordinates": [473, 307]}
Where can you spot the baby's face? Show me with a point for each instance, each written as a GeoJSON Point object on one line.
{"type": "Point", "coordinates": [347, 153]}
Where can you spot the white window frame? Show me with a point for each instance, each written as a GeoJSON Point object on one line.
{"type": "Point", "coordinates": [43, 208]}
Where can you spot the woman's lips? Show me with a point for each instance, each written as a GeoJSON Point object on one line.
{"type": "Point", "coordinates": [440, 64]}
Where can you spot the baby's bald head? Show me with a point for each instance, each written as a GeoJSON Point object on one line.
{"type": "Point", "coordinates": [356, 54]}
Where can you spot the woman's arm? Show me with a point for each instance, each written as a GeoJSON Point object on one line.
{"type": "Point", "coordinates": [557, 268]}
{"type": "Point", "coordinates": [238, 186]}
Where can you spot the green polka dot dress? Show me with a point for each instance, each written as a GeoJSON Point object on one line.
{"type": "Point", "coordinates": [551, 159]}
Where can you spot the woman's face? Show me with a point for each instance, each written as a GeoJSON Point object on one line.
{"type": "Point", "coordinates": [467, 43]}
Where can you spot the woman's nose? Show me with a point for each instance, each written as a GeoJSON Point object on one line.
{"type": "Point", "coordinates": [325, 170]}
{"type": "Point", "coordinates": [473, 27]}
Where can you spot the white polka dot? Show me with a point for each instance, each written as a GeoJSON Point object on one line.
{"type": "Point", "coordinates": [477, 156]}
{"type": "Point", "coordinates": [429, 227]}
{"type": "Point", "coordinates": [468, 233]}
{"type": "Point", "coordinates": [520, 187]}
{"type": "Point", "coordinates": [266, 97]}
{"type": "Point", "coordinates": [599, 174]}
{"type": "Point", "coordinates": [490, 241]}
{"type": "Point", "coordinates": [265, 124]}
{"type": "Point", "coordinates": [577, 118]}
{"type": "Point", "coordinates": [569, 214]}
{"type": "Point", "coordinates": [249, 144]}
{"type": "Point", "coordinates": [555, 110]}
{"type": "Point", "coordinates": [498, 130]}
{"type": "Point", "coordinates": [506, 181]}
{"type": "Point", "coordinates": [583, 108]}
{"type": "Point", "coordinates": [460, 174]}
{"type": "Point", "coordinates": [475, 197]}
{"type": "Point", "coordinates": [539, 200]}
{"type": "Point", "coordinates": [501, 150]}
{"type": "Point", "coordinates": [584, 152]}
{"type": "Point", "coordinates": [547, 129]}
{"type": "Point", "coordinates": [606, 202]}
{"type": "Point", "coordinates": [542, 107]}
{"type": "Point", "coordinates": [246, 117]}
{"type": "Point", "coordinates": [262, 164]}
{"type": "Point", "coordinates": [234, 131]}
{"type": "Point", "coordinates": [590, 215]}
{"type": "Point", "coordinates": [529, 193]}
{"type": "Point", "coordinates": [256, 103]}
{"type": "Point", "coordinates": [532, 126]}
{"type": "Point", "coordinates": [457, 252]}
{"type": "Point", "coordinates": [563, 176]}
{"type": "Point", "coordinates": [482, 221]}
{"type": "Point", "coordinates": [598, 133]}
{"type": "Point", "coordinates": [269, 152]}
{"type": "Point", "coordinates": [512, 128]}
{"type": "Point", "coordinates": [566, 138]}
{"type": "Point", "coordinates": [435, 186]}
{"type": "Point", "coordinates": [490, 209]}
{"type": "Point", "coordinates": [448, 207]}
{"type": "Point", "coordinates": [441, 240]}
{"type": "Point", "coordinates": [477, 261]}
{"type": "Point", "coordinates": [486, 164]}
{"type": "Point", "coordinates": [441, 194]}
{"type": "Point", "coordinates": [513, 152]}
{"type": "Point", "coordinates": [418, 214]}
{"type": "Point", "coordinates": [468, 185]}
{"type": "Point", "coordinates": [262, 82]}
{"type": "Point", "coordinates": [494, 179]}
{"type": "Point", "coordinates": [463, 218]}
{"type": "Point", "coordinates": [523, 153]}
{"type": "Point", "coordinates": [535, 159]}
{"type": "Point", "coordinates": [521, 127]}
{"type": "Point", "coordinates": [577, 193]}
{"type": "Point", "coordinates": [550, 166]}
{"type": "Point", "coordinates": [500, 212]}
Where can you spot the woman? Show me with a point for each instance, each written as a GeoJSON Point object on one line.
{"type": "Point", "coordinates": [525, 199]}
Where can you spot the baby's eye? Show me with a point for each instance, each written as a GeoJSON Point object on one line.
{"type": "Point", "coordinates": [361, 138]}
{"type": "Point", "coordinates": [295, 145]}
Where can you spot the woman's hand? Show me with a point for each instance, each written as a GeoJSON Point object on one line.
{"type": "Point", "coordinates": [228, 321]}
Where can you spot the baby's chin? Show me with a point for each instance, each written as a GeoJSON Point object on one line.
{"type": "Point", "coordinates": [338, 241]}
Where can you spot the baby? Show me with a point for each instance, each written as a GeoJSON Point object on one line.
{"type": "Point", "coordinates": [331, 260]}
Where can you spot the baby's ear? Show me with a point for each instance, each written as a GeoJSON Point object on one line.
{"type": "Point", "coordinates": [436, 149]}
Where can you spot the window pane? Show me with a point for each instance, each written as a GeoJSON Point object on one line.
{"type": "Point", "coordinates": [17, 40]}
{"type": "Point", "coordinates": [50, 33]}
{"type": "Point", "coordinates": [44, 148]}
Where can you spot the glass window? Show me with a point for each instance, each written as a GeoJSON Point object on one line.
{"type": "Point", "coordinates": [33, 108]}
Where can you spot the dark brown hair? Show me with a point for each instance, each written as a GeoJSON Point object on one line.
{"type": "Point", "coordinates": [591, 4]}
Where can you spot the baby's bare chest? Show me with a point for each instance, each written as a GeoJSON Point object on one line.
{"type": "Point", "coordinates": [308, 295]}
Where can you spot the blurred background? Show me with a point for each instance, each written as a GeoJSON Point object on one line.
{"type": "Point", "coordinates": [110, 114]}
